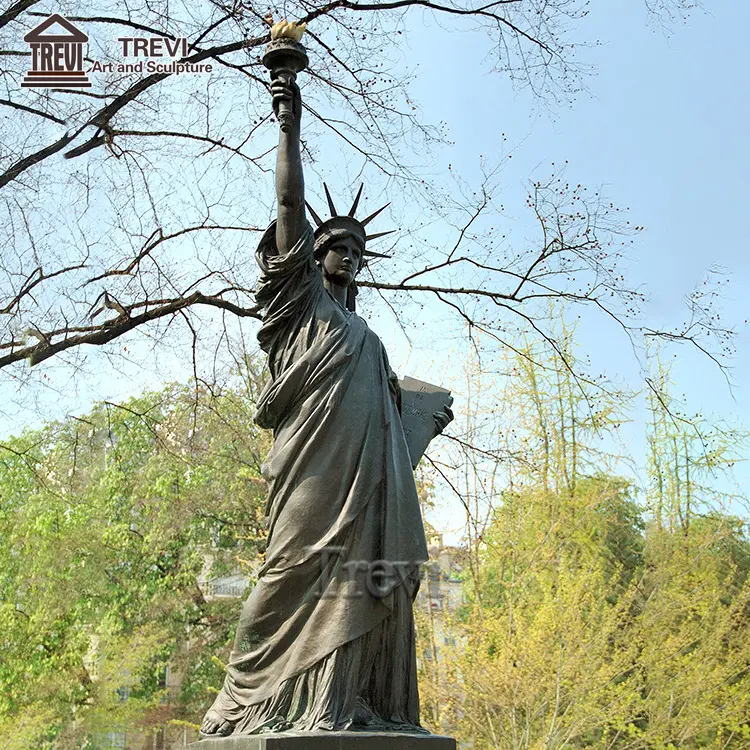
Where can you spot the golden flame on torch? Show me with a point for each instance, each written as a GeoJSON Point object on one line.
{"type": "Point", "coordinates": [285, 30]}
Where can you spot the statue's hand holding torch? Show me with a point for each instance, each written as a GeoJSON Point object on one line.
{"type": "Point", "coordinates": [284, 58]}
{"type": "Point", "coordinates": [287, 102]}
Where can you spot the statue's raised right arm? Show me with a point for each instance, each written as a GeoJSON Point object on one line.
{"type": "Point", "coordinates": [290, 185]}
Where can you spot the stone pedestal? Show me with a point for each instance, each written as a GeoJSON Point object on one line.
{"type": "Point", "coordinates": [329, 741]}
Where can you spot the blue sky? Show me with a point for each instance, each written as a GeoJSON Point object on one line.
{"type": "Point", "coordinates": [662, 128]}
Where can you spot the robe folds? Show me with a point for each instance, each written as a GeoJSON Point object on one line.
{"type": "Point", "coordinates": [326, 637]}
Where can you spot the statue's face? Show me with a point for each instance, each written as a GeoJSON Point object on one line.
{"type": "Point", "coordinates": [342, 261]}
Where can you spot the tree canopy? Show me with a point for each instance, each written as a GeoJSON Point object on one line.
{"type": "Point", "coordinates": [595, 615]}
{"type": "Point", "coordinates": [114, 524]}
{"type": "Point", "coordinates": [131, 206]}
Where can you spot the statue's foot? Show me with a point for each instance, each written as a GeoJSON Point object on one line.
{"type": "Point", "coordinates": [215, 725]}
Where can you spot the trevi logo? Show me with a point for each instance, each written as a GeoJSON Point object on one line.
{"type": "Point", "coordinates": [56, 59]}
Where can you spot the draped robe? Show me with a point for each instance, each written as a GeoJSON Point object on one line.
{"type": "Point", "coordinates": [326, 637]}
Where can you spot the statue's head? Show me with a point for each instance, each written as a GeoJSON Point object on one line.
{"type": "Point", "coordinates": [340, 245]}
{"type": "Point", "coordinates": [340, 257]}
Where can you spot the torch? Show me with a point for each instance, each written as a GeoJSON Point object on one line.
{"type": "Point", "coordinates": [285, 56]}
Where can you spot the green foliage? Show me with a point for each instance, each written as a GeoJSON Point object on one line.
{"type": "Point", "coordinates": [595, 615]}
{"type": "Point", "coordinates": [107, 524]}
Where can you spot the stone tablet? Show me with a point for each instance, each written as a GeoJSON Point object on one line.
{"type": "Point", "coordinates": [419, 402]}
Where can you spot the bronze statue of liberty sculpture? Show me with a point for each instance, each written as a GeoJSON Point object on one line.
{"type": "Point", "coordinates": [326, 638]}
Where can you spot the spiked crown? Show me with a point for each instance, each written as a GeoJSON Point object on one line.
{"type": "Point", "coordinates": [346, 225]}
